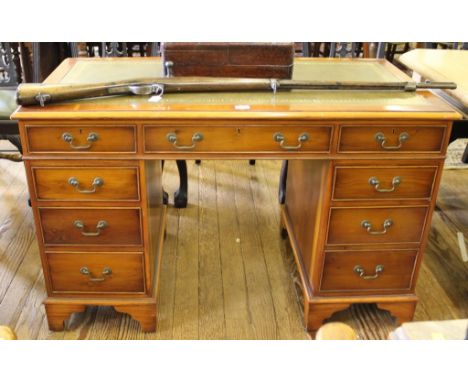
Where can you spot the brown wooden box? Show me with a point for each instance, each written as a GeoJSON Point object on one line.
{"type": "Point", "coordinates": [220, 59]}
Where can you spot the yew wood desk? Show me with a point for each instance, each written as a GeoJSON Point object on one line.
{"type": "Point", "coordinates": [360, 193]}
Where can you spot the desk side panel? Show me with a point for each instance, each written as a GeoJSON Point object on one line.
{"type": "Point", "coordinates": [307, 200]}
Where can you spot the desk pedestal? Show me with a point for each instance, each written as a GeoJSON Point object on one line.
{"type": "Point", "coordinates": [352, 242]}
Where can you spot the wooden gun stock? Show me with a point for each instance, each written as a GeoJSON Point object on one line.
{"type": "Point", "coordinates": [33, 94]}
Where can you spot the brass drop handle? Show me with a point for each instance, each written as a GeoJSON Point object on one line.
{"type": "Point", "coordinates": [373, 181]}
{"type": "Point", "coordinates": [279, 137]}
{"type": "Point", "coordinates": [362, 273]}
{"type": "Point", "coordinates": [367, 225]}
{"type": "Point", "coordinates": [97, 182]}
{"type": "Point", "coordinates": [101, 224]}
{"type": "Point", "coordinates": [92, 137]}
{"type": "Point", "coordinates": [105, 272]}
{"type": "Point", "coordinates": [380, 138]}
{"type": "Point", "coordinates": [172, 138]}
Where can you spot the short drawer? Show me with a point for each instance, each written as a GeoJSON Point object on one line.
{"type": "Point", "coordinates": [376, 225]}
{"type": "Point", "coordinates": [391, 139]}
{"type": "Point", "coordinates": [96, 272]}
{"type": "Point", "coordinates": [384, 182]}
{"type": "Point", "coordinates": [89, 226]}
{"type": "Point", "coordinates": [86, 183]}
{"type": "Point", "coordinates": [81, 139]}
{"type": "Point", "coordinates": [241, 138]}
{"type": "Point", "coordinates": [374, 270]}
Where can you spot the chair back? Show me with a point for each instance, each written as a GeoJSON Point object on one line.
{"type": "Point", "coordinates": [116, 49]}
{"type": "Point", "coordinates": [446, 45]}
{"type": "Point", "coordinates": [344, 49]}
{"type": "Point", "coordinates": [9, 76]}
{"type": "Point", "coordinates": [358, 49]}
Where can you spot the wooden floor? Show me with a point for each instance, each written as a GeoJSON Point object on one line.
{"type": "Point", "coordinates": [226, 272]}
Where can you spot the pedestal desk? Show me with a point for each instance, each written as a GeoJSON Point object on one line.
{"type": "Point", "coordinates": [364, 171]}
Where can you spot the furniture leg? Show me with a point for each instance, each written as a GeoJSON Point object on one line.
{"type": "Point", "coordinates": [402, 311]}
{"type": "Point", "coordinates": [145, 314]}
{"type": "Point", "coordinates": [316, 313]}
{"type": "Point", "coordinates": [58, 313]}
{"type": "Point", "coordinates": [282, 182]}
{"type": "Point", "coordinates": [180, 196]}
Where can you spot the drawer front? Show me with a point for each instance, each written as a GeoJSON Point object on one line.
{"type": "Point", "coordinates": [383, 182]}
{"type": "Point", "coordinates": [96, 272]}
{"type": "Point", "coordinates": [376, 225]}
{"type": "Point", "coordinates": [237, 138]}
{"type": "Point", "coordinates": [81, 139]}
{"type": "Point", "coordinates": [391, 139]}
{"type": "Point", "coordinates": [80, 226]}
{"type": "Point", "coordinates": [375, 270]}
{"type": "Point", "coordinates": [90, 183]}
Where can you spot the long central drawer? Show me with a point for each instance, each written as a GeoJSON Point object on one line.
{"type": "Point", "coordinates": [303, 138]}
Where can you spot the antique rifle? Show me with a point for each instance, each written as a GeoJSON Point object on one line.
{"type": "Point", "coordinates": [33, 94]}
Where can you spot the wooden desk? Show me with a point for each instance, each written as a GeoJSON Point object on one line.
{"type": "Point", "coordinates": [360, 190]}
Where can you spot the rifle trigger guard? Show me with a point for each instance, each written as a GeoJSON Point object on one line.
{"type": "Point", "coordinates": [151, 89]}
{"type": "Point", "coordinates": [157, 89]}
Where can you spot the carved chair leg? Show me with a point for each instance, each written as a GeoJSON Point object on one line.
{"type": "Point", "coordinates": [180, 196]}
{"type": "Point", "coordinates": [465, 155]}
{"type": "Point", "coordinates": [16, 141]}
{"type": "Point", "coordinates": [165, 194]}
{"type": "Point", "coordinates": [282, 182]}
{"type": "Point", "coordinates": [165, 198]}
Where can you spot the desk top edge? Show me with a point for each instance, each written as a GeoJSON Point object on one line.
{"type": "Point", "coordinates": [434, 108]}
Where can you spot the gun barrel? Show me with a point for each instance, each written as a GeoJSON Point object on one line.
{"type": "Point", "coordinates": [436, 85]}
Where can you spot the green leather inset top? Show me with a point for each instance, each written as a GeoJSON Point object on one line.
{"type": "Point", "coordinates": [88, 71]}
